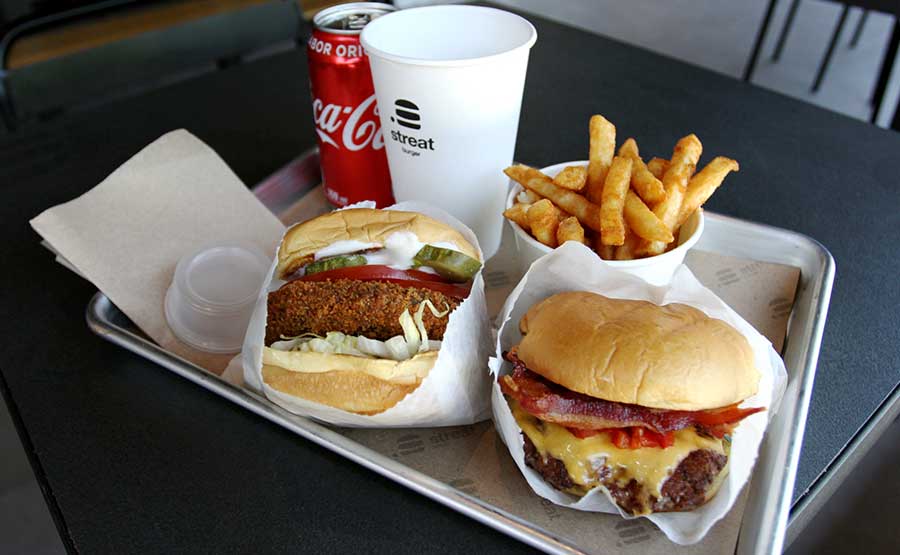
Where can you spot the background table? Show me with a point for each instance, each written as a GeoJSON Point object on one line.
{"type": "Point", "coordinates": [132, 458]}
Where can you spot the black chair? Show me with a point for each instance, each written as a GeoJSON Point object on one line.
{"type": "Point", "coordinates": [838, 29]}
{"type": "Point", "coordinates": [45, 88]}
{"type": "Point", "coordinates": [890, 7]}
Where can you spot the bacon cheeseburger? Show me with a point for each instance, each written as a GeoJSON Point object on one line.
{"type": "Point", "coordinates": [629, 396]}
{"type": "Point", "coordinates": [368, 296]}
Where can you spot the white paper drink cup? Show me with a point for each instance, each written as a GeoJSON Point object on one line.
{"type": "Point", "coordinates": [448, 82]}
{"type": "Point", "coordinates": [656, 270]}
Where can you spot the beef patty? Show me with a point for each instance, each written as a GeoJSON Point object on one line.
{"type": "Point", "coordinates": [368, 308]}
{"type": "Point", "coordinates": [683, 491]}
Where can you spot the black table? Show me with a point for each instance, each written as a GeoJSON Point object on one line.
{"type": "Point", "coordinates": [132, 458]}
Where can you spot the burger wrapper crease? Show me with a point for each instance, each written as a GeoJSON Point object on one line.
{"type": "Point", "coordinates": [573, 267]}
{"type": "Point", "coordinates": [456, 390]}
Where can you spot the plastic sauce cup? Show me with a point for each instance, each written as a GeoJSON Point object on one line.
{"type": "Point", "coordinates": [209, 303]}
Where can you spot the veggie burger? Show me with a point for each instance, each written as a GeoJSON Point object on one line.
{"type": "Point", "coordinates": [625, 395]}
{"type": "Point", "coordinates": [368, 295]}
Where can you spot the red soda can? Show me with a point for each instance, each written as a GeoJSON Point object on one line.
{"type": "Point", "coordinates": [351, 145]}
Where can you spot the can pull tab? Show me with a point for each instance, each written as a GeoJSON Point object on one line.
{"type": "Point", "coordinates": [356, 22]}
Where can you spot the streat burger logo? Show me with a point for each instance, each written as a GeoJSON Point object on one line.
{"type": "Point", "coordinates": [359, 130]}
{"type": "Point", "coordinates": [406, 114]}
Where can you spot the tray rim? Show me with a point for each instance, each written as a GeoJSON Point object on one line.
{"type": "Point", "coordinates": [767, 536]}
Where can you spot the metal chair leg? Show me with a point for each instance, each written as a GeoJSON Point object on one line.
{"type": "Point", "coordinates": [887, 64]}
{"type": "Point", "coordinates": [785, 30]}
{"type": "Point", "coordinates": [760, 36]}
{"type": "Point", "coordinates": [823, 67]}
{"type": "Point", "coordinates": [859, 28]}
{"type": "Point", "coordinates": [895, 123]}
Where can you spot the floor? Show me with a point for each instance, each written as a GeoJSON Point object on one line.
{"type": "Point", "coordinates": [719, 36]}
{"type": "Point", "coordinates": [25, 523]}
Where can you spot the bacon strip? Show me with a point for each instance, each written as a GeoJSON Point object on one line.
{"type": "Point", "coordinates": [553, 403]}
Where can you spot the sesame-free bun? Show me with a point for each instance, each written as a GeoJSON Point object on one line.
{"type": "Point", "coordinates": [366, 225]}
{"type": "Point", "coordinates": [351, 383]}
{"type": "Point", "coordinates": [668, 357]}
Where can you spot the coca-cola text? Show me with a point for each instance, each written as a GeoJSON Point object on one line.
{"type": "Point", "coordinates": [358, 132]}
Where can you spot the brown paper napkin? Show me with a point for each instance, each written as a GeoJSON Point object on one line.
{"type": "Point", "coordinates": [127, 234]}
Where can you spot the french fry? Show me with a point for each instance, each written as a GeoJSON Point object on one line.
{"type": "Point", "coordinates": [528, 197]}
{"type": "Point", "coordinates": [612, 203]}
{"type": "Point", "coordinates": [573, 178]}
{"type": "Point", "coordinates": [683, 163]}
{"type": "Point", "coordinates": [569, 230]}
{"type": "Point", "coordinates": [518, 213]}
{"type": "Point", "coordinates": [643, 222]}
{"type": "Point", "coordinates": [573, 203]}
{"type": "Point", "coordinates": [543, 217]}
{"type": "Point", "coordinates": [681, 168]}
{"type": "Point", "coordinates": [625, 251]}
{"type": "Point", "coordinates": [657, 167]}
{"type": "Point", "coordinates": [629, 148]}
{"type": "Point", "coordinates": [666, 210]}
{"type": "Point", "coordinates": [703, 185]}
{"type": "Point", "coordinates": [606, 252]}
{"type": "Point", "coordinates": [647, 185]}
{"type": "Point", "coordinates": [602, 149]}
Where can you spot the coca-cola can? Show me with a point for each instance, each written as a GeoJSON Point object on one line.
{"type": "Point", "coordinates": [351, 145]}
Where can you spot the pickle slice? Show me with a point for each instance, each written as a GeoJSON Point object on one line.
{"type": "Point", "coordinates": [449, 264]}
{"type": "Point", "coordinates": [334, 263]}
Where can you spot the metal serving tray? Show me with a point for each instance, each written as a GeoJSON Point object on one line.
{"type": "Point", "coordinates": [769, 501]}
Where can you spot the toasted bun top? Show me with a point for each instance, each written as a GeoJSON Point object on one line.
{"type": "Point", "coordinates": [667, 357]}
{"type": "Point", "coordinates": [367, 225]}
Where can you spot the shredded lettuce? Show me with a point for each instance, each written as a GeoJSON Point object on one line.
{"type": "Point", "coordinates": [420, 323]}
{"type": "Point", "coordinates": [410, 334]}
{"type": "Point", "coordinates": [397, 348]}
{"type": "Point", "coordinates": [333, 342]}
{"type": "Point", "coordinates": [400, 347]}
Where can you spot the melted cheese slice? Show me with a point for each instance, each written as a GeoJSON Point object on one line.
{"type": "Point", "coordinates": [405, 372]}
{"type": "Point", "coordinates": [649, 466]}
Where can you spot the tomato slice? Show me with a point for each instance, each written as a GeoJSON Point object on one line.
{"type": "Point", "coordinates": [581, 434]}
{"type": "Point", "coordinates": [632, 437]}
{"type": "Point", "coordinates": [406, 278]}
{"type": "Point", "coordinates": [726, 415]}
{"type": "Point", "coordinates": [619, 437]}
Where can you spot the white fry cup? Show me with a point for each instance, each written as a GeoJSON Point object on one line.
{"type": "Point", "coordinates": [657, 270]}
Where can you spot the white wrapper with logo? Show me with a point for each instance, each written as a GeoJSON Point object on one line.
{"type": "Point", "coordinates": [456, 391]}
{"type": "Point", "coordinates": [574, 267]}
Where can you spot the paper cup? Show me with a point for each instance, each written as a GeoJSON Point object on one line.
{"type": "Point", "coordinates": [657, 270]}
{"type": "Point", "coordinates": [449, 81]}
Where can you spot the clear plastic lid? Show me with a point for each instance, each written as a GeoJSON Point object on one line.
{"type": "Point", "coordinates": [212, 295]}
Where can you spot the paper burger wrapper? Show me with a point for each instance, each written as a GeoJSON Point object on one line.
{"type": "Point", "coordinates": [574, 267]}
{"type": "Point", "coordinates": [455, 392]}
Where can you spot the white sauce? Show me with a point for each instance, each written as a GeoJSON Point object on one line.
{"type": "Point", "coordinates": [397, 253]}
{"type": "Point", "coordinates": [344, 247]}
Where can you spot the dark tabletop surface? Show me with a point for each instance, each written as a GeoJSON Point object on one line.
{"type": "Point", "coordinates": [133, 458]}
